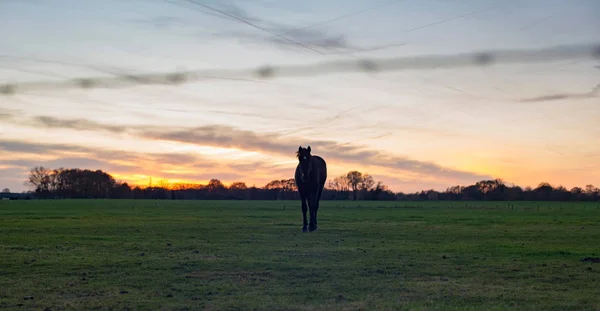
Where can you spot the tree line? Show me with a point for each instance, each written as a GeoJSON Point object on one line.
{"type": "Point", "coordinates": [95, 184]}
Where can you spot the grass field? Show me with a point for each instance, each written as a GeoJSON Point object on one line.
{"type": "Point", "coordinates": [244, 255]}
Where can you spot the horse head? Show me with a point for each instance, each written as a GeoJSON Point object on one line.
{"type": "Point", "coordinates": [304, 157]}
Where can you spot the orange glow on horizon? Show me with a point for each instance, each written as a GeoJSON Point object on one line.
{"type": "Point", "coordinates": [145, 181]}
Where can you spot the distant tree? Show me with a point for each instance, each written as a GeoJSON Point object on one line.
{"type": "Point", "coordinates": [121, 191]}
{"type": "Point", "coordinates": [238, 190]}
{"type": "Point", "coordinates": [339, 183]}
{"type": "Point", "coordinates": [339, 187]}
{"type": "Point", "coordinates": [472, 192]}
{"type": "Point", "coordinates": [289, 185]}
{"type": "Point", "coordinates": [513, 193]}
{"type": "Point", "coordinates": [238, 186]}
{"type": "Point", "coordinates": [354, 179]}
{"type": "Point", "coordinates": [273, 185]}
{"type": "Point", "coordinates": [576, 191]}
{"type": "Point", "coordinates": [590, 189]}
{"type": "Point", "coordinates": [39, 179]}
{"type": "Point", "coordinates": [486, 186]}
{"type": "Point", "coordinates": [560, 193]}
{"type": "Point", "coordinates": [543, 191]}
{"type": "Point", "coordinates": [5, 190]}
{"type": "Point", "coordinates": [366, 182]}
{"type": "Point", "coordinates": [381, 192]}
{"type": "Point", "coordinates": [215, 185]}
{"type": "Point", "coordinates": [138, 193]}
{"type": "Point", "coordinates": [281, 189]}
{"type": "Point", "coordinates": [84, 183]}
{"type": "Point", "coordinates": [454, 189]}
{"type": "Point", "coordinates": [592, 192]}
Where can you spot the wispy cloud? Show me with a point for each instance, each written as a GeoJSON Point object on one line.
{"type": "Point", "coordinates": [592, 93]}
{"type": "Point", "coordinates": [222, 136]}
{"type": "Point", "coordinates": [5, 115]}
{"type": "Point", "coordinates": [75, 124]}
{"type": "Point", "coordinates": [174, 166]}
{"type": "Point", "coordinates": [34, 148]}
{"type": "Point", "coordinates": [229, 137]}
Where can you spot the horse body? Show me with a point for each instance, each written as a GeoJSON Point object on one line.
{"type": "Point", "coordinates": [310, 177]}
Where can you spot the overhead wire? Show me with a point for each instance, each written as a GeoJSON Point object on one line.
{"type": "Point", "coordinates": [340, 17]}
{"type": "Point", "coordinates": [253, 25]}
{"type": "Point", "coordinates": [427, 25]}
{"type": "Point", "coordinates": [347, 15]}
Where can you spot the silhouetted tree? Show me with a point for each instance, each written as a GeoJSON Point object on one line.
{"type": "Point", "coordinates": [576, 193]}
{"type": "Point", "coordinates": [339, 185]}
{"type": "Point", "coordinates": [83, 183]}
{"type": "Point", "coordinates": [354, 179]}
{"type": "Point", "coordinates": [121, 191]}
{"type": "Point", "coordinates": [215, 185]}
{"type": "Point", "coordinates": [543, 191]}
{"type": "Point", "coordinates": [238, 186]}
{"type": "Point", "coordinates": [39, 179]}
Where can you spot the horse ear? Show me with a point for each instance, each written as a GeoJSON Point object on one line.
{"type": "Point", "coordinates": [299, 148]}
{"type": "Point", "coordinates": [308, 148]}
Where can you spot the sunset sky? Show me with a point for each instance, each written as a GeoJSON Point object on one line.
{"type": "Point", "coordinates": [413, 130]}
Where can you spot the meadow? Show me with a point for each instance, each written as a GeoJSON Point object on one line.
{"type": "Point", "coordinates": [252, 255]}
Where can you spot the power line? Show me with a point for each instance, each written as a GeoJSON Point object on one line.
{"type": "Point", "coordinates": [199, 10]}
{"type": "Point", "coordinates": [253, 25]}
{"type": "Point", "coordinates": [438, 22]}
{"type": "Point", "coordinates": [425, 62]}
{"type": "Point", "coordinates": [340, 17]}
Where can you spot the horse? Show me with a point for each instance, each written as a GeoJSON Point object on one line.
{"type": "Point", "coordinates": [310, 177]}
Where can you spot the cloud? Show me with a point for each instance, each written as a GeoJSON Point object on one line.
{"type": "Point", "coordinates": [592, 93]}
{"type": "Point", "coordinates": [25, 147]}
{"type": "Point", "coordinates": [7, 114]}
{"type": "Point", "coordinates": [171, 166]}
{"type": "Point", "coordinates": [229, 137]}
{"type": "Point", "coordinates": [11, 171]}
{"type": "Point", "coordinates": [70, 162]}
{"type": "Point", "coordinates": [92, 154]}
{"type": "Point", "coordinates": [75, 124]}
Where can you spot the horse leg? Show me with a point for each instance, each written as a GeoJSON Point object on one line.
{"type": "Point", "coordinates": [318, 203]}
{"type": "Point", "coordinates": [304, 209]}
{"type": "Point", "coordinates": [316, 210]}
{"type": "Point", "coordinates": [312, 205]}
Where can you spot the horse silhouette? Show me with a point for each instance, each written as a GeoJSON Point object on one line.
{"type": "Point", "coordinates": [310, 177]}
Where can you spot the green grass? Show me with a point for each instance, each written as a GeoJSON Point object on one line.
{"type": "Point", "coordinates": [244, 255]}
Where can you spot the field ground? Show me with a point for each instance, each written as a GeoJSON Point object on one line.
{"type": "Point", "coordinates": [244, 255]}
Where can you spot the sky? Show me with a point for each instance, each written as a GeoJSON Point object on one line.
{"type": "Point", "coordinates": [412, 129]}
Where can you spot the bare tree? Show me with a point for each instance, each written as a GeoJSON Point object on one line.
{"type": "Point", "coordinates": [40, 179]}
{"type": "Point", "coordinates": [367, 182]}
{"type": "Point", "coordinates": [354, 181]}
{"type": "Point", "coordinates": [238, 186]}
{"type": "Point", "coordinates": [215, 185]}
{"type": "Point", "coordinates": [339, 183]}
